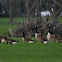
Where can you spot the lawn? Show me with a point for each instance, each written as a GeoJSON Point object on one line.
{"type": "Point", "coordinates": [25, 52]}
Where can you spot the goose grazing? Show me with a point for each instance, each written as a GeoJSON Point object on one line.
{"type": "Point", "coordinates": [3, 39]}
{"type": "Point", "coordinates": [40, 37]}
{"type": "Point", "coordinates": [29, 40]}
{"type": "Point", "coordinates": [11, 41]}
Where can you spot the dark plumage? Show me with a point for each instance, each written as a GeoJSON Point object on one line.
{"type": "Point", "coordinates": [11, 41]}
{"type": "Point", "coordinates": [3, 39]}
{"type": "Point", "coordinates": [51, 36]}
{"type": "Point", "coordinates": [26, 39]}
{"type": "Point", "coordinates": [40, 37]}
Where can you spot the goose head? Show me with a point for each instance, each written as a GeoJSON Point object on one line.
{"type": "Point", "coordinates": [4, 39]}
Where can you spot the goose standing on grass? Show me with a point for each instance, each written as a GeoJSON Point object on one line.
{"type": "Point", "coordinates": [29, 40]}
{"type": "Point", "coordinates": [40, 37]}
{"type": "Point", "coordinates": [11, 41]}
{"type": "Point", "coordinates": [3, 39]}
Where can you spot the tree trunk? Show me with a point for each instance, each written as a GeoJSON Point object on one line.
{"type": "Point", "coordinates": [38, 10]}
{"type": "Point", "coordinates": [28, 15]}
{"type": "Point", "coordinates": [10, 11]}
{"type": "Point", "coordinates": [17, 8]}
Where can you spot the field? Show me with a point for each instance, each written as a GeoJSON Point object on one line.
{"type": "Point", "coordinates": [25, 52]}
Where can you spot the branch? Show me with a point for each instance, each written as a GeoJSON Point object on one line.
{"type": "Point", "coordinates": [4, 5]}
{"type": "Point", "coordinates": [11, 32]}
{"type": "Point", "coordinates": [58, 12]}
{"type": "Point", "coordinates": [32, 6]}
{"type": "Point", "coordinates": [48, 7]}
{"type": "Point", "coordinates": [57, 3]}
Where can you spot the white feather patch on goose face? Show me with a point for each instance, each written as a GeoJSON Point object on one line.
{"type": "Point", "coordinates": [3, 40]}
{"type": "Point", "coordinates": [31, 41]}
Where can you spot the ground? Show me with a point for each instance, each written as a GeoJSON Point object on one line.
{"type": "Point", "coordinates": [25, 52]}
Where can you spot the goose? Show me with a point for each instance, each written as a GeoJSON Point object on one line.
{"type": "Point", "coordinates": [3, 39]}
{"type": "Point", "coordinates": [37, 35]}
{"type": "Point", "coordinates": [29, 40]}
{"type": "Point", "coordinates": [11, 41]}
{"type": "Point", "coordinates": [51, 36]}
{"type": "Point", "coordinates": [40, 37]}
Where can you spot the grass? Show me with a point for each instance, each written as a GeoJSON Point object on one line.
{"type": "Point", "coordinates": [5, 25]}
{"type": "Point", "coordinates": [25, 52]}
{"type": "Point", "coordinates": [35, 52]}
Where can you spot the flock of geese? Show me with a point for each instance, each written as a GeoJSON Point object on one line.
{"type": "Point", "coordinates": [42, 38]}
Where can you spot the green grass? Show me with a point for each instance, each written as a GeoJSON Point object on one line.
{"type": "Point", "coordinates": [5, 25]}
{"type": "Point", "coordinates": [35, 52]}
{"type": "Point", "coordinates": [25, 52]}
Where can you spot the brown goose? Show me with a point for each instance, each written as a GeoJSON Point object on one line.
{"type": "Point", "coordinates": [51, 36]}
{"type": "Point", "coordinates": [11, 41]}
{"type": "Point", "coordinates": [29, 40]}
{"type": "Point", "coordinates": [37, 35]}
{"type": "Point", "coordinates": [40, 37]}
{"type": "Point", "coordinates": [3, 39]}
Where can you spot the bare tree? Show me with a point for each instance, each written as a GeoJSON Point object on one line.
{"type": "Point", "coordinates": [27, 10]}
{"type": "Point", "coordinates": [17, 4]}
{"type": "Point", "coordinates": [30, 8]}
{"type": "Point", "coordinates": [52, 8]}
{"type": "Point", "coordinates": [10, 11]}
{"type": "Point", "coordinates": [9, 7]}
{"type": "Point", "coordinates": [38, 2]}
{"type": "Point", "coordinates": [59, 3]}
